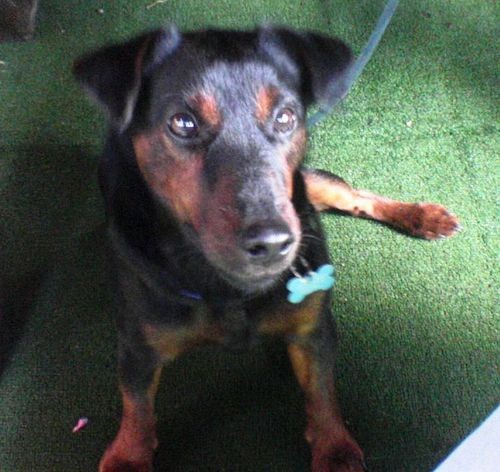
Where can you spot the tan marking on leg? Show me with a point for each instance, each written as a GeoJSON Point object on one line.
{"type": "Point", "coordinates": [424, 220]}
{"type": "Point", "coordinates": [320, 398]}
{"type": "Point", "coordinates": [332, 446]}
{"type": "Point", "coordinates": [134, 445]}
{"type": "Point", "coordinates": [301, 365]}
{"type": "Point", "coordinates": [327, 193]}
{"type": "Point", "coordinates": [170, 343]}
{"type": "Point", "coordinates": [153, 388]}
{"type": "Point", "coordinates": [294, 319]}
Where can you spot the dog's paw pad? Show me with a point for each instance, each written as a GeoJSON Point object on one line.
{"type": "Point", "coordinates": [118, 465]}
{"type": "Point", "coordinates": [338, 463]}
{"type": "Point", "coordinates": [433, 221]}
{"type": "Point", "coordinates": [115, 460]}
{"type": "Point", "coordinates": [334, 453]}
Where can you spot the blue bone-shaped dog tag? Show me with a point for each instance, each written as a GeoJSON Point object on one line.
{"type": "Point", "coordinates": [314, 281]}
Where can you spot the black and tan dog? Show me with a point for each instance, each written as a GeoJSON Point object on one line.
{"type": "Point", "coordinates": [211, 212]}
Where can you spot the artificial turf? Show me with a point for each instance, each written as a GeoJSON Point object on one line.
{"type": "Point", "coordinates": [418, 362]}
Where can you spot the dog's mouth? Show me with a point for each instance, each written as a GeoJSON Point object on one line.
{"type": "Point", "coordinates": [257, 264]}
{"type": "Point", "coordinates": [255, 280]}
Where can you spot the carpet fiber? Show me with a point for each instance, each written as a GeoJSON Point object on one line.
{"type": "Point", "coordinates": [418, 363]}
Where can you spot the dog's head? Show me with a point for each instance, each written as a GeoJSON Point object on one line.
{"type": "Point", "coordinates": [217, 121]}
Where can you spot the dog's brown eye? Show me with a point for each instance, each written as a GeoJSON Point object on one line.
{"type": "Point", "coordinates": [183, 125]}
{"type": "Point", "coordinates": [285, 120]}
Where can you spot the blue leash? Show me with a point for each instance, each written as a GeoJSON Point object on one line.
{"type": "Point", "coordinates": [358, 65]}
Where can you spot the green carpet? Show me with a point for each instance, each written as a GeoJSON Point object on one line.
{"type": "Point", "coordinates": [419, 357]}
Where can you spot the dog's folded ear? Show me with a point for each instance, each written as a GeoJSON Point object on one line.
{"type": "Point", "coordinates": [113, 75]}
{"type": "Point", "coordinates": [316, 64]}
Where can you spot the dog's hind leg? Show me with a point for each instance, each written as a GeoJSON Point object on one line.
{"type": "Point", "coordinates": [425, 220]}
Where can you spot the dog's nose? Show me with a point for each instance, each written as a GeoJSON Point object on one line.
{"type": "Point", "coordinates": [267, 243]}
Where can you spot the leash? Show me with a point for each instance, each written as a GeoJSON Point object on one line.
{"type": "Point", "coordinates": [355, 69]}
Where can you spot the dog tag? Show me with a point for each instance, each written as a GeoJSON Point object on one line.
{"type": "Point", "coordinates": [314, 281]}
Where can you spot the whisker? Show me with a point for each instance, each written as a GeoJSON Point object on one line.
{"type": "Point", "coordinates": [311, 236]}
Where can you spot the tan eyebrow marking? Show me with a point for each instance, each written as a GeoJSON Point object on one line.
{"type": "Point", "coordinates": [206, 105]}
{"type": "Point", "coordinates": [266, 99]}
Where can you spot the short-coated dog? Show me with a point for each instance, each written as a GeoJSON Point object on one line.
{"type": "Point", "coordinates": [211, 212]}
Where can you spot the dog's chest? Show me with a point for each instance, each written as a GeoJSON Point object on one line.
{"type": "Point", "coordinates": [235, 325]}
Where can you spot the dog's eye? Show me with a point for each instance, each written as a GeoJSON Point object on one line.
{"type": "Point", "coordinates": [285, 120]}
{"type": "Point", "coordinates": [183, 125]}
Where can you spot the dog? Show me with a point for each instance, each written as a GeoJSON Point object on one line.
{"type": "Point", "coordinates": [211, 212]}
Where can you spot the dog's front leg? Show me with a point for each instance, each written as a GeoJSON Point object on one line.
{"type": "Point", "coordinates": [311, 353]}
{"type": "Point", "coordinates": [133, 447]}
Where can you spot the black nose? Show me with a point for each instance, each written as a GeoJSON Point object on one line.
{"type": "Point", "coordinates": [267, 243]}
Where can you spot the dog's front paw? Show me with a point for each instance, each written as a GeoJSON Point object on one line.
{"type": "Point", "coordinates": [336, 455]}
{"type": "Point", "coordinates": [120, 466]}
{"type": "Point", "coordinates": [115, 461]}
{"type": "Point", "coordinates": [426, 220]}
{"type": "Point", "coordinates": [335, 462]}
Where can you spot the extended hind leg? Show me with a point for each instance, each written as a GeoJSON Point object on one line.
{"type": "Point", "coordinates": [425, 220]}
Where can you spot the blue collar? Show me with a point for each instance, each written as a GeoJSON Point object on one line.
{"type": "Point", "coordinates": [191, 295]}
{"type": "Point", "coordinates": [299, 287]}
